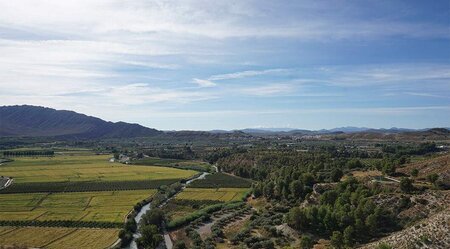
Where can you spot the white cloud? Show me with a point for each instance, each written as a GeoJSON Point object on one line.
{"type": "Point", "coordinates": [269, 90]}
{"type": "Point", "coordinates": [382, 74]}
{"type": "Point", "coordinates": [244, 74]}
{"type": "Point", "coordinates": [203, 83]}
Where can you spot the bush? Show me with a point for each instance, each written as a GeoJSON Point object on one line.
{"type": "Point", "coordinates": [306, 242]}
{"type": "Point", "coordinates": [406, 185]}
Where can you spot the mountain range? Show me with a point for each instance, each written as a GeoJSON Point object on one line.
{"type": "Point", "coordinates": [37, 121]}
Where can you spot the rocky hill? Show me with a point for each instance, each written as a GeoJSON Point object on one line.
{"type": "Point", "coordinates": [439, 165]}
{"type": "Point", "coordinates": [428, 233]}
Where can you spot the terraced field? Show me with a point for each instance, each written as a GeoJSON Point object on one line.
{"type": "Point", "coordinates": [107, 206]}
{"type": "Point", "coordinates": [220, 194]}
{"type": "Point", "coordinates": [57, 237]}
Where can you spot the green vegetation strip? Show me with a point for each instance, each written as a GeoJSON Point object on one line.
{"type": "Point", "coordinates": [221, 180]}
{"type": "Point", "coordinates": [177, 223]}
{"type": "Point", "coordinates": [173, 163]}
{"type": "Point", "coordinates": [39, 187]}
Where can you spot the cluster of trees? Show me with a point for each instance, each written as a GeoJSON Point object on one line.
{"type": "Point", "coordinates": [184, 152]}
{"type": "Point", "coordinates": [150, 229]}
{"type": "Point", "coordinates": [346, 208]}
{"type": "Point", "coordinates": [401, 150]}
{"type": "Point", "coordinates": [213, 157]}
{"type": "Point", "coordinates": [20, 153]}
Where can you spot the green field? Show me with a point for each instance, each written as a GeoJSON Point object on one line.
{"type": "Point", "coordinates": [63, 168]}
{"type": "Point", "coordinates": [176, 163]}
{"type": "Point", "coordinates": [57, 237]}
{"type": "Point", "coordinates": [220, 194]}
{"type": "Point", "coordinates": [221, 180]}
{"type": "Point", "coordinates": [107, 206]}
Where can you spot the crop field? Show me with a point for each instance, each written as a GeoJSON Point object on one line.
{"type": "Point", "coordinates": [220, 194]}
{"type": "Point", "coordinates": [176, 163]}
{"type": "Point", "coordinates": [107, 206]}
{"type": "Point", "coordinates": [64, 168]}
{"type": "Point", "coordinates": [54, 187]}
{"type": "Point", "coordinates": [221, 180]}
{"type": "Point", "coordinates": [178, 208]}
{"type": "Point", "coordinates": [75, 199]}
{"type": "Point", "coordinates": [56, 237]}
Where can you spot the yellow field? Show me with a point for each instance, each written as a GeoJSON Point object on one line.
{"type": "Point", "coordinates": [220, 194]}
{"type": "Point", "coordinates": [87, 167]}
{"type": "Point", "coordinates": [56, 237]}
{"type": "Point", "coordinates": [111, 206]}
{"type": "Point", "coordinates": [87, 238]}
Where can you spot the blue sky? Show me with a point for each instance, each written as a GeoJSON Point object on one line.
{"type": "Point", "coordinates": [204, 65]}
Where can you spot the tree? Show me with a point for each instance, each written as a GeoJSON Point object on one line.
{"type": "Point", "coordinates": [336, 175]}
{"type": "Point", "coordinates": [153, 217]}
{"type": "Point", "coordinates": [389, 168]}
{"type": "Point", "coordinates": [297, 219]}
{"type": "Point", "coordinates": [328, 197]}
{"type": "Point", "coordinates": [306, 242]}
{"type": "Point", "coordinates": [349, 236]}
{"type": "Point", "coordinates": [406, 185]}
{"type": "Point", "coordinates": [296, 188]}
{"type": "Point", "coordinates": [433, 177]}
{"type": "Point", "coordinates": [180, 245]}
{"type": "Point", "coordinates": [384, 246]}
{"type": "Point", "coordinates": [269, 190]}
{"type": "Point", "coordinates": [353, 164]}
{"type": "Point", "coordinates": [308, 179]}
{"type": "Point", "coordinates": [150, 238]}
{"type": "Point", "coordinates": [414, 172]}
{"type": "Point", "coordinates": [337, 240]}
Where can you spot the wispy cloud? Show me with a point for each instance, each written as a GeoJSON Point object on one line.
{"type": "Point", "coordinates": [269, 90]}
{"type": "Point", "coordinates": [252, 112]}
{"type": "Point", "coordinates": [427, 95]}
{"type": "Point", "coordinates": [244, 74]}
{"type": "Point", "coordinates": [203, 83]}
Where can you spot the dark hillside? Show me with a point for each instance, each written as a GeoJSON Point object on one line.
{"type": "Point", "coordinates": [34, 121]}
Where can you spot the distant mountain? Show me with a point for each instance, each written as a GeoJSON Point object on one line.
{"type": "Point", "coordinates": [347, 129]}
{"type": "Point", "coordinates": [36, 121]}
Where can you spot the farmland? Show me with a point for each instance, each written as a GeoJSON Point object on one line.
{"type": "Point", "coordinates": [52, 237]}
{"type": "Point", "coordinates": [90, 167]}
{"type": "Point", "coordinates": [75, 199]}
{"type": "Point", "coordinates": [221, 180]}
{"type": "Point", "coordinates": [175, 163]}
{"type": "Point", "coordinates": [107, 206]}
{"type": "Point", "coordinates": [220, 194]}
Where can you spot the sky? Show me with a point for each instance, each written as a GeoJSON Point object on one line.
{"type": "Point", "coordinates": [204, 65]}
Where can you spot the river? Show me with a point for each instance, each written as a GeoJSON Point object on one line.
{"type": "Point", "coordinates": [145, 208]}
